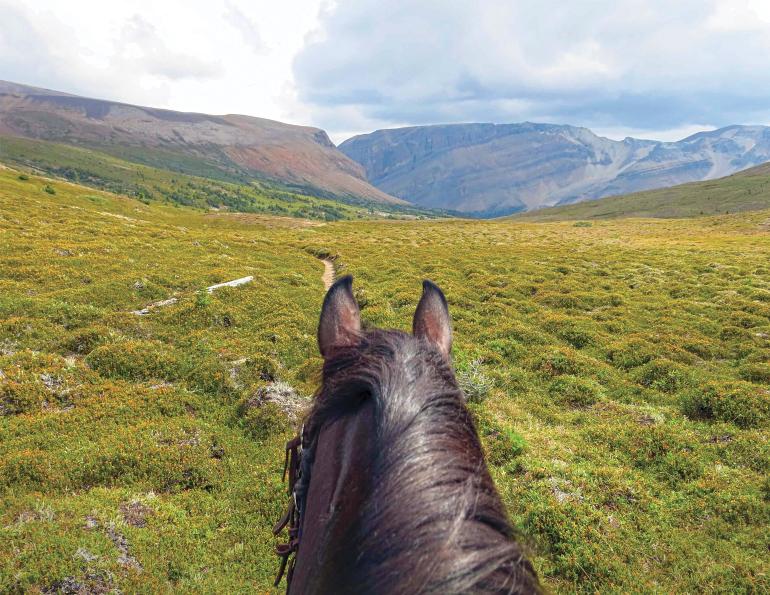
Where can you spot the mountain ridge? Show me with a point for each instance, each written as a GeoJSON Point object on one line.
{"type": "Point", "coordinates": [495, 169]}
{"type": "Point", "coordinates": [297, 156]}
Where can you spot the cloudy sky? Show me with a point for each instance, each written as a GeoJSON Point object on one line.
{"type": "Point", "coordinates": [652, 68]}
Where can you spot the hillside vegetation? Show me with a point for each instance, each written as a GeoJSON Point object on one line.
{"type": "Point", "coordinates": [299, 157]}
{"type": "Point", "coordinates": [185, 181]}
{"type": "Point", "coordinates": [618, 372]}
{"type": "Point", "coordinates": [745, 191]}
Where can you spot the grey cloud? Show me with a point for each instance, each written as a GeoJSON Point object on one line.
{"type": "Point", "coordinates": [651, 64]}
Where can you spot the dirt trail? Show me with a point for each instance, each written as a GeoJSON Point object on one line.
{"type": "Point", "coordinates": [328, 276]}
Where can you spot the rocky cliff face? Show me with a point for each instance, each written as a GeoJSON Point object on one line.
{"type": "Point", "coordinates": [299, 156]}
{"type": "Point", "coordinates": [496, 169]}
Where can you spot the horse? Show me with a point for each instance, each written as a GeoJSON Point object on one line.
{"type": "Point", "coordinates": [390, 491]}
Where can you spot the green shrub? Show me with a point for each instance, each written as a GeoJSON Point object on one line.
{"type": "Point", "coordinates": [731, 332]}
{"type": "Point", "coordinates": [134, 360]}
{"type": "Point", "coordinates": [664, 375]}
{"type": "Point", "coordinates": [757, 372]}
{"type": "Point", "coordinates": [630, 353]}
{"type": "Point", "coordinates": [502, 445]}
{"type": "Point", "coordinates": [668, 450]}
{"type": "Point", "coordinates": [474, 382]}
{"type": "Point", "coordinates": [23, 177]}
{"type": "Point", "coordinates": [18, 395]}
{"type": "Point", "coordinates": [264, 420]}
{"type": "Point", "coordinates": [575, 391]}
{"type": "Point", "coordinates": [741, 403]}
{"type": "Point", "coordinates": [49, 189]}
{"type": "Point", "coordinates": [510, 350]}
{"type": "Point", "coordinates": [558, 362]}
{"type": "Point", "coordinates": [202, 299]}
{"type": "Point", "coordinates": [576, 336]}
{"type": "Point", "coordinates": [86, 340]}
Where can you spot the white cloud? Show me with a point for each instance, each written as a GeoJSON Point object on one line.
{"type": "Point", "coordinates": [141, 47]}
{"type": "Point", "coordinates": [740, 15]}
{"type": "Point", "coordinates": [217, 57]}
{"type": "Point", "coordinates": [247, 27]}
{"type": "Point", "coordinates": [642, 67]}
{"type": "Point", "coordinates": [620, 65]}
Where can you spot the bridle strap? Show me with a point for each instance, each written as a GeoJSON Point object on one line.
{"type": "Point", "coordinates": [291, 519]}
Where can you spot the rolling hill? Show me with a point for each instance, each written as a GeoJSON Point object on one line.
{"type": "Point", "coordinates": [229, 147]}
{"type": "Point", "coordinates": [491, 170]}
{"type": "Point", "coordinates": [748, 190]}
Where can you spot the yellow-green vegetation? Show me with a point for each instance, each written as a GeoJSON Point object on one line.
{"type": "Point", "coordinates": [618, 373]}
{"type": "Point", "coordinates": [157, 175]}
{"type": "Point", "coordinates": [748, 190]}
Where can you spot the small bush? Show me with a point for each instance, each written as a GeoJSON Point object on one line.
{"type": "Point", "coordinates": [260, 422]}
{"type": "Point", "coordinates": [558, 362]}
{"type": "Point", "coordinates": [474, 383]}
{"type": "Point", "coordinates": [202, 299]}
{"type": "Point", "coordinates": [576, 337]}
{"type": "Point", "coordinates": [86, 340]}
{"type": "Point", "coordinates": [758, 372]}
{"type": "Point", "coordinates": [664, 375]}
{"type": "Point", "coordinates": [630, 353]}
{"type": "Point", "coordinates": [670, 451]}
{"type": "Point", "coordinates": [134, 360]}
{"type": "Point", "coordinates": [18, 396]}
{"type": "Point", "coordinates": [49, 189]}
{"type": "Point", "coordinates": [575, 391]}
{"type": "Point", "coordinates": [23, 177]}
{"type": "Point", "coordinates": [731, 332]}
{"type": "Point", "coordinates": [503, 446]}
{"type": "Point", "coordinates": [741, 403]}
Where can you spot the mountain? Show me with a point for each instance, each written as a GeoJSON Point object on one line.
{"type": "Point", "coordinates": [748, 190]}
{"type": "Point", "coordinates": [230, 147]}
{"type": "Point", "coordinates": [496, 169]}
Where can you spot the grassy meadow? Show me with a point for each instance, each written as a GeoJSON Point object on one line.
{"type": "Point", "coordinates": [618, 370]}
{"type": "Point", "coordinates": [748, 190]}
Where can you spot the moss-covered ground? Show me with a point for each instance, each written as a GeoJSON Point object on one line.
{"type": "Point", "coordinates": [619, 373]}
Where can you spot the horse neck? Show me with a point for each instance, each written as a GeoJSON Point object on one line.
{"type": "Point", "coordinates": [338, 489]}
{"type": "Point", "coordinates": [433, 521]}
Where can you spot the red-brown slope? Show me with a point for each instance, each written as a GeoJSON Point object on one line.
{"type": "Point", "coordinates": [296, 155]}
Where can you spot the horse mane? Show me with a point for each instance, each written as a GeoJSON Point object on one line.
{"type": "Point", "coordinates": [433, 522]}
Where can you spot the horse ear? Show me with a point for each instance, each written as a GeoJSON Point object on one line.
{"type": "Point", "coordinates": [340, 324]}
{"type": "Point", "coordinates": [431, 319]}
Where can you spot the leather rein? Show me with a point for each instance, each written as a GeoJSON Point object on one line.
{"type": "Point", "coordinates": [292, 519]}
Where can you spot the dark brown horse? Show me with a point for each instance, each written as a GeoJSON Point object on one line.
{"type": "Point", "coordinates": [391, 488]}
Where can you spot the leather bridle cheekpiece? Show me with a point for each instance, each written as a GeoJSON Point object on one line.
{"type": "Point", "coordinates": [292, 518]}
